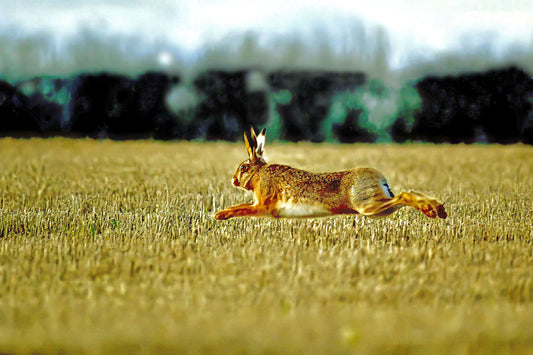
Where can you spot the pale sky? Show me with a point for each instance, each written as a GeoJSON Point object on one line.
{"type": "Point", "coordinates": [414, 27]}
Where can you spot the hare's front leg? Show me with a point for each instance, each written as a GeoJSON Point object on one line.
{"type": "Point", "coordinates": [242, 210]}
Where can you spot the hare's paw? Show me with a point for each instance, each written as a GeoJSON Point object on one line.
{"type": "Point", "coordinates": [222, 215]}
{"type": "Point", "coordinates": [433, 208]}
{"type": "Point", "coordinates": [428, 210]}
{"type": "Point", "coordinates": [441, 212]}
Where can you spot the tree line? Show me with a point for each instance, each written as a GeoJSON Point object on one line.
{"type": "Point", "coordinates": [494, 106]}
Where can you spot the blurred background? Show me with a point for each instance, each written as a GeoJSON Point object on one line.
{"type": "Point", "coordinates": [380, 71]}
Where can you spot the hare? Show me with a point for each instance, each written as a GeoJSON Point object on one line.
{"type": "Point", "coordinates": [282, 191]}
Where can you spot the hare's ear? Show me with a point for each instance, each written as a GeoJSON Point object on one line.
{"type": "Point", "coordinates": [249, 147]}
{"type": "Point", "coordinates": [260, 148]}
{"type": "Point", "coordinates": [254, 138]}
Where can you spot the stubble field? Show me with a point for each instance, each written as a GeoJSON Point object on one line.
{"type": "Point", "coordinates": [112, 247]}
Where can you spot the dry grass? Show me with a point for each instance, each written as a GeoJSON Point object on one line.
{"type": "Point", "coordinates": [111, 247]}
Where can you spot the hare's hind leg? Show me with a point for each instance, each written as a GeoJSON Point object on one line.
{"type": "Point", "coordinates": [429, 206]}
{"type": "Point", "coordinates": [383, 207]}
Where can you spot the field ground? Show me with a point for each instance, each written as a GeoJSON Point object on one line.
{"type": "Point", "coordinates": [111, 247]}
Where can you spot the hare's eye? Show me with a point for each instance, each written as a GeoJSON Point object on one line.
{"type": "Point", "coordinates": [244, 168]}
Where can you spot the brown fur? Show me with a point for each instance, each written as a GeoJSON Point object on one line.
{"type": "Point", "coordinates": [283, 191]}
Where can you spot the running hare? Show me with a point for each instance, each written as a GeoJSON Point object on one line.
{"type": "Point", "coordinates": [282, 191]}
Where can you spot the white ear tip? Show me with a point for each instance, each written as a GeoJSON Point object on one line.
{"type": "Point", "coordinates": [260, 143]}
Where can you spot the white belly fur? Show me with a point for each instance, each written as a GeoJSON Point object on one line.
{"type": "Point", "coordinates": [292, 210]}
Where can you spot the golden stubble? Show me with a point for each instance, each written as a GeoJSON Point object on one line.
{"type": "Point", "coordinates": [112, 247]}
